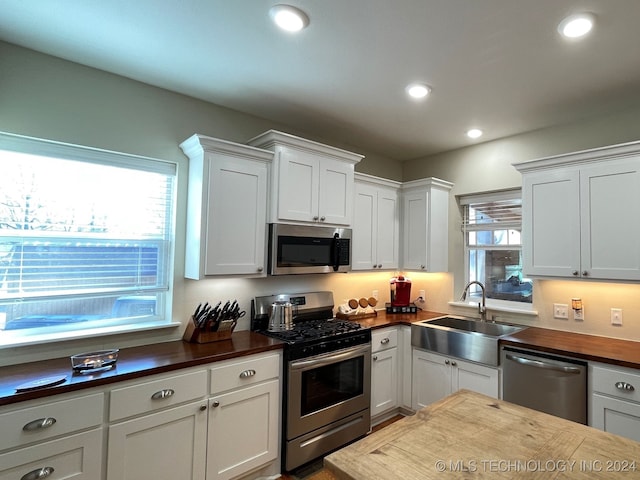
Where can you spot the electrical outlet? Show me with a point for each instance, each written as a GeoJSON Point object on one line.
{"type": "Point", "coordinates": [560, 310]}
{"type": "Point", "coordinates": [578, 315]}
{"type": "Point", "coordinates": [422, 295]}
{"type": "Point", "coordinates": [616, 316]}
{"type": "Point", "coordinates": [374, 294]}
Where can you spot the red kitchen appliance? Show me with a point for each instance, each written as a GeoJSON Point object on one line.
{"type": "Point", "coordinates": [400, 287]}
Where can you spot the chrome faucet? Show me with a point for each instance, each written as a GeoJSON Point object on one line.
{"type": "Point", "coordinates": [482, 308]}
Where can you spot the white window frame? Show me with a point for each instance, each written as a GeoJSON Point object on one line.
{"type": "Point", "coordinates": [473, 299]}
{"type": "Point", "coordinates": [162, 316]}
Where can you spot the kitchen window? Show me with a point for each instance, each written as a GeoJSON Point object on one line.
{"type": "Point", "coordinates": [492, 228]}
{"type": "Point", "coordinates": [86, 240]}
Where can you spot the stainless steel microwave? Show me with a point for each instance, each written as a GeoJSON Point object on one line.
{"type": "Point", "coordinates": [295, 249]}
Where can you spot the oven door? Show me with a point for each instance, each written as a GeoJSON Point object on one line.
{"type": "Point", "coordinates": [326, 388]}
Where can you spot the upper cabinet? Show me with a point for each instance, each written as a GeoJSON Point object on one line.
{"type": "Point", "coordinates": [227, 208]}
{"type": "Point", "coordinates": [311, 182]}
{"type": "Point", "coordinates": [425, 223]}
{"type": "Point", "coordinates": [376, 224]}
{"type": "Point", "coordinates": [574, 214]}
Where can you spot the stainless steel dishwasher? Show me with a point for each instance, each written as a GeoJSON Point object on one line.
{"type": "Point", "coordinates": [546, 383]}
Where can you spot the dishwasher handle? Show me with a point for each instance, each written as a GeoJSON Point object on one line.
{"type": "Point", "coordinates": [541, 364]}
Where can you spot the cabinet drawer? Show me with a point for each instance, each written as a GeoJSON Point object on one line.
{"type": "Point", "coordinates": [383, 339]}
{"type": "Point", "coordinates": [240, 373]}
{"type": "Point", "coordinates": [77, 457]}
{"type": "Point", "coordinates": [48, 420]}
{"type": "Point", "coordinates": [619, 383]}
{"type": "Point", "coordinates": [156, 394]}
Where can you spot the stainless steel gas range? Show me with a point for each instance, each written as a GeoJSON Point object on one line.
{"type": "Point", "coordinates": [326, 380]}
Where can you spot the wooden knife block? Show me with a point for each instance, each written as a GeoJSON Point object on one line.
{"type": "Point", "coordinates": [194, 334]}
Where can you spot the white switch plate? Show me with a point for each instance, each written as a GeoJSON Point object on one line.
{"type": "Point", "coordinates": [616, 316]}
{"type": "Point", "coordinates": [560, 310]}
{"type": "Point", "coordinates": [374, 294]}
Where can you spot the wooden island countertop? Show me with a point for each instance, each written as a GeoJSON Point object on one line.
{"type": "Point", "coordinates": [469, 435]}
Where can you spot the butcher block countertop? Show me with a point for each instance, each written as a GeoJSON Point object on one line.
{"type": "Point", "coordinates": [469, 435]}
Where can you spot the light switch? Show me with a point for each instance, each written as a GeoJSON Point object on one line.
{"type": "Point", "coordinates": [616, 316]}
{"type": "Point", "coordinates": [560, 310]}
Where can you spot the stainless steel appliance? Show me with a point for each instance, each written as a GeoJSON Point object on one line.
{"type": "Point", "coordinates": [546, 383]}
{"type": "Point", "coordinates": [326, 378]}
{"type": "Point", "coordinates": [295, 249]}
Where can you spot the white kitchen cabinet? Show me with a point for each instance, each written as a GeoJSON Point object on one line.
{"type": "Point", "coordinates": [167, 444]}
{"type": "Point", "coordinates": [425, 221]}
{"type": "Point", "coordinates": [56, 439]}
{"type": "Point", "coordinates": [574, 217]}
{"type": "Point", "coordinates": [615, 400]}
{"type": "Point", "coordinates": [159, 428]}
{"type": "Point", "coordinates": [436, 376]}
{"type": "Point", "coordinates": [227, 208]}
{"type": "Point", "coordinates": [244, 416]}
{"type": "Point", "coordinates": [376, 224]}
{"type": "Point", "coordinates": [72, 457]}
{"type": "Point", "coordinates": [311, 182]}
{"type": "Point", "coordinates": [384, 371]}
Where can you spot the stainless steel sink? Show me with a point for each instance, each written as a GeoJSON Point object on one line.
{"type": "Point", "coordinates": [461, 337]}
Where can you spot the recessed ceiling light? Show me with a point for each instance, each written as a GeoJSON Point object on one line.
{"type": "Point", "coordinates": [289, 18]}
{"type": "Point", "coordinates": [418, 90]}
{"type": "Point", "coordinates": [474, 133]}
{"type": "Point", "coordinates": [575, 26]}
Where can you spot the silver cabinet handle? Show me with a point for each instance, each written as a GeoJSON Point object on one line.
{"type": "Point", "coordinates": [247, 373]}
{"type": "Point", "coordinates": [39, 424]}
{"type": "Point", "coordinates": [574, 273]}
{"type": "Point", "coordinates": [260, 269]}
{"type": "Point", "coordinates": [447, 362]}
{"type": "Point", "coordinates": [422, 267]}
{"type": "Point", "coordinates": [375, 357]}
{"type": "Point", "coordinates": [585, 273]}
{"type": "Point", "coordinates": [322, 219]}
{"type": "Point", "coordinates": [625, 387]}
{"type": "Point", "coordinates": [43, 472]}
{"type": "Point", "coordinates": [165, 393]}
{"type": "Point", "coordinates": [453, 364]}
{"type": "Point", "coordinates": [203, 408]}
{"type": "Point", "coordinates": [384, 341]}
{"type": "Point", "coordinates": [215, 403]}
{"type": "Point", "coordinates": [315, 218]}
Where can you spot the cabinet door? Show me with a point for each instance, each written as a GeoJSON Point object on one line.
{"type": "Point", "coordinates": [74, 457]}
{"type": "Point", "coordinates": [384, 381]}
{"type": "Point", "coordinates": [167, 444]}
{"type": "Point", "coordinates": [477, 378]}
{"type": "Point", "coordinates": [616, 416]}
{"type": "Point", "coordinates": [243, 430]}
{"type": "Point", "coordinates": [236, 220]}
{"type": "Point", "coordinates": [551, 223]}
{"type": "Point", "coordinates": [431, 378]}
{"type": "Point", "coordinates": [363, 256]}
{"type": "Point", "coordinates": [298, 185]}
{"type": "Point", "coordinates": [335, 202]}
{"type": "Point", "coordinates": [387, 229]}
{"type": "Point", "coordinates": [610, 234]}
{"type": "Point", "coordinates": [415, 230]}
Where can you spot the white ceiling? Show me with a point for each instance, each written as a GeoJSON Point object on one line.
{"type": "Point", "coordinates": [499, 65]}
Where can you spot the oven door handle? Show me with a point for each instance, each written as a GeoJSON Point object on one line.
{"type": "Point", "coordinates": [331, 357]}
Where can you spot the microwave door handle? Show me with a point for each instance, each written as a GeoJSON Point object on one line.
{"type": "Point", "coordinates": [336, 252]}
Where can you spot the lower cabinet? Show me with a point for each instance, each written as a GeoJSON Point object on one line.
{"type": "Point", "coordinates": [213, 422]}
{"type": "Point", "coordinates": [385, 369]}
{"type": "Point", "coordinates": [615, 400]}
{"type": "Point", "coordinates": [243, 430]}
{"type": "Point", "coordinates": [436, 376]}
{"type": "Point", "coordinates": [57, 439]}
{"type": "Point", "coordinates": [77, 457]}
{"type": "Point", "coordinates": [167, 444]}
